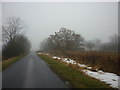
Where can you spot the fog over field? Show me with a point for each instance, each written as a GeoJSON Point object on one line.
{"type": "Point", "coordinates": [90, 19]}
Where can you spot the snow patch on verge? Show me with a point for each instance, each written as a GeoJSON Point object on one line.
{"type": "Point", "coordinates": [39, 53]}
{"type": "Point", "coordinates": [54, 57]}
{"type": "Point", "coordinates": [69, 61]}
{"type": "Point", "coordinates": [108, 78]}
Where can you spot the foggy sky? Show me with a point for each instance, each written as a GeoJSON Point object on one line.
{"type": "Point", "coordinates": [90, 19]}
{"type": "Point", "coordinates": [0, 28]}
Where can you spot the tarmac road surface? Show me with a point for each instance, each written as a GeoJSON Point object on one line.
{"type": "Point", "coordinates": [31, 72]}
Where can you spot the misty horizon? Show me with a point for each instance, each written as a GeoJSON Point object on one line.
{"type": "Point", "coordinates": [91, 20]}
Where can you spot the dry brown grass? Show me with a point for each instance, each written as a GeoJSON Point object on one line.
{"type": "Point", "coordinates": [106, 61]}
{"type": "Point", "coordinates": [73, 75]}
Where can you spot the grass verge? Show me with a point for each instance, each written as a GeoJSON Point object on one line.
{"type": "Point", "coordinates": [106, 61]}
{"type": "Point", "coordinates": [5, 64]}
{"type": "Point", "coordinates": [76, 78]}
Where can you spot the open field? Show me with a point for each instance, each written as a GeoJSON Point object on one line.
{"type": "Point", "coordinates": [106, 61]}
{"type": "Point", "coordinates": [70, 74]}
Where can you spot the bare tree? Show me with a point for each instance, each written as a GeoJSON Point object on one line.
{"type": "Point", "coordinates": [13, 28]}
{"type": "Point", "coordinates": [44, 45]}
{"type": "Point", "coordinates": [112, 45]}
{"type": "Point", "coordinates": [64, 40]}
{"type": "Point", "coordinates": [97, 43]}
{"type": "Point", "coordinates": [118, 43]}
{"type": "Point", "coordinates": [90, 45]}
{"type": "Point", "coordinates": [14, 41]}
{"type": "Point", "coordinates": [114, 42]}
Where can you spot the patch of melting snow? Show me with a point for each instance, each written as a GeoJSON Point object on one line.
{"type": "Point", "coordinates": [55, 57]}
{"type": "Point", "coordinates": [89, 67]}
{"type": "Point", "coordinates": [58, 58]}
{"type": "Point", "coordinates": [47, 54]}
{"type": "Point", "coordinates": [65, 59]}
{"type": "Point", "coordinates": [69, 61]}
{"type": "Point", "coordinates": [100, 71]}
{"type": "Point", "coordinates": [39, 53]}
{"type": "Point", "coordinates": [82, 65]}
{"type": "Point", "coordinates": [108, 78]}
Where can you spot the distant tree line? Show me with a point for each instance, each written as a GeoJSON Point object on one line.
{"type": "Point", "coordinates": [67, 40]}
{"type": "Point", "coordinates": [13, 38]}
{"type": "Point", "coordinates": [111, 46]}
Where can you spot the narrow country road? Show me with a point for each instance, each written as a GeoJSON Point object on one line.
{"type": "Point", "coordinates": [31, 72]}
